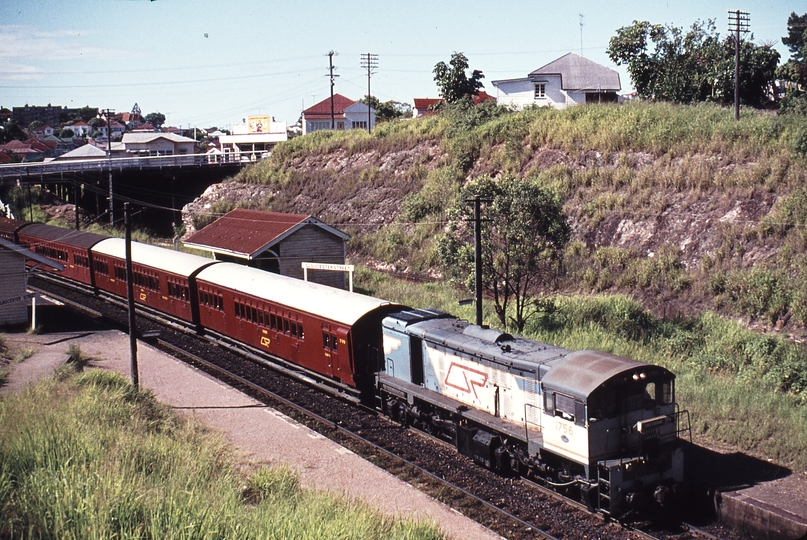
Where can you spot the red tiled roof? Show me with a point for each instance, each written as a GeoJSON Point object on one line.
{"type": "Point", "coordinates": [340, 103]}
{"type": "Point", "coordinates": [483, 96]}
{"type": "Point", "coordinates": [246, 232]}
{"type": "Point", "coordinates": [425, 103]}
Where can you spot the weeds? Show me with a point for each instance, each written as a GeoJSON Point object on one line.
{"type": "Point", "coordinates": [104, 461]}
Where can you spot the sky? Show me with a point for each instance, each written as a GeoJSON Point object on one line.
{"type": "Point", "coordinates": [211, 63]}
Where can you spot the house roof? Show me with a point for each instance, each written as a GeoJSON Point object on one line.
{"type": "Point", "coordinates": [425, 103]}
{"type": "Point", "coordinates": [578, 73]}
{"type": "Point", "coordinates": [323, 108]}
{"type": "Point", "coordinates": [146, 137]}
{"type": "Point", "coordinates": [83, 152]}
{"type": "Point", "coordinates": [248, 233]}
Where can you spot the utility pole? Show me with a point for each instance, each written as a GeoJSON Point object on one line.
{"type": "Point", "coordinates": [477, 202]}
{"type": "Point", "coordinates": [581, 33]}
{"type": "Point", "coordinates": [332, 75]}
{"type": "Point", "coordinates": [739, 22]}
{"type": "Point", "coordinates": [109, 163]}
{"type": "Point", "coordinates": [127, 223]}
{"type": "Point", "coordinates": [369, 61]}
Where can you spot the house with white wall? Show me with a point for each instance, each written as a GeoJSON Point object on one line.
{"type": "Point", "coordinates": [157, 144]}
{"type": "Point", "coordinates": [347, 114]}
{"type": "Point", "coordinates": [569, 80]}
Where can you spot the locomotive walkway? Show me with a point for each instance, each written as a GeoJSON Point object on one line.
{"type": "Point", "coordinates": [260, 434]}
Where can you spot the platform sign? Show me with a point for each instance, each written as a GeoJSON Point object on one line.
{"type": "Point", "coordinates": [329, 267]}
{"type": "Point", "coordinates": [258, 124]}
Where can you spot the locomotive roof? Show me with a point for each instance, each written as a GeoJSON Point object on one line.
{"type": "Point", "coordinates": [582, 372]}
{"type": "Point", "coordinates": [176, 262]}
{"type": "Point", "coordinates": [575, 373]}
{"type": "Point", "coordinates": [328, 302]}
{"type": "Point", "coordinates": [489, 344]}
{"type": "Point", "coordinates": [70, 237]}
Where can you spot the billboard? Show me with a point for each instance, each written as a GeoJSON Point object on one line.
{"type": "Point", "coordinates": [258, 124]}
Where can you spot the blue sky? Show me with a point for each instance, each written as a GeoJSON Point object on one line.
{"type": "Point", "coordinates": [205, 63]}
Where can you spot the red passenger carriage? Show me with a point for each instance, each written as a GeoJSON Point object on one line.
{"type": "Point", "coordinates": [9, 228]}
{"type": "Point", "coordinates": [329, 331]}
{"type": "Point", "coordinates": [162, 278]}
{"type": "Point", "coordinates": [69, 247]}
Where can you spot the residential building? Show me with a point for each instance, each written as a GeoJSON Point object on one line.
{"type": "Point", "coordinates": [425, 106]}
{"type": "Point", "coordinates": [157, 144]}
{"type": "Point", "coordinates": [80, 128]}
{"type": "Point", "coordinates": [569, 80]}
{"type": "Point", "coordinates": [48, 114]}
{"type": "Point", "coordinates": [347, 114]}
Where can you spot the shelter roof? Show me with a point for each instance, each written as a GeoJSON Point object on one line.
{"type": "Point", "coordinates": [146, 137]}
{"type": "Point", "coordinates": [248, 233]}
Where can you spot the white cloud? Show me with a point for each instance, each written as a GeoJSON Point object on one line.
{"type": "Point", "coordinates": [35, 46]}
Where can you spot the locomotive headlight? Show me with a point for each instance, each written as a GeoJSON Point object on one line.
{"type": "Point", "coordinates": [642, 375]}
{"type": "Point", "coordinates": [635, 376]}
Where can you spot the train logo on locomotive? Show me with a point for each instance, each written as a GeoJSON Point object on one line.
{"type": "Point", "coordinates": [465, 379]}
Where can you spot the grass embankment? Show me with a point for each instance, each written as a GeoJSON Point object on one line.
{"type": "Point", "coordinates": [102, 461]}
{"type": "Point", "coordinates": [741, 388]}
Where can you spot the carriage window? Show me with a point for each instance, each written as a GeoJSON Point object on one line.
{"type": "Point", "coordinates": [334, 342]}
{"type": "Point", "coordinates": [294, 329]}
{"type": "Point", "coordinates": [300, 333]}
{"type": "Point", "coordinates": [260, 318]}
{"type": "Point", "coordinates": [286, 326]}
{"type": "Point", "coordinates": [273, 321]}
{"type": "Point", "coordinates": [120, 273]}
{"type": "Point", "coordinates": [102, 267]}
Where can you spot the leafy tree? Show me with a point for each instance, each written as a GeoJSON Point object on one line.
{"type": "Point", "coordinates": [35, 124]}
{"type": "Point", "coordinates": [388, 110]}
{"type": "Point", "coordinates": [795, 69]}
{"type": "Point", "coordinates": [668, 64]}
{"type": "Point", "coordinates": [524, 231]}
{"type": "Point", "coordinates": [156, 119]}
{"type": "Point", "coordinates": [10, 131]}
{"type": "Point", "coordinates": [67, 133]}
{"type": "Point", "coordinates": [452, 81]}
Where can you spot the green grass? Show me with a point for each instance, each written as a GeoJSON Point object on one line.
{"type": "Point", "coordinates": [102, 461]}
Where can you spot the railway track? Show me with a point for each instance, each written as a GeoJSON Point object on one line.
{"type": "Point", "coordinates": [511, 507]}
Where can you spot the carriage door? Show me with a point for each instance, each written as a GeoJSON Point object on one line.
{"type": "Point", "coordinates": [342, 361]}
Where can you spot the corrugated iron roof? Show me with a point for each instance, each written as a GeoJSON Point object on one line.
{"type": "Point", "coordinates": [578, 73]}
{"type": "Point", "coordinates": [582, 372]}
{"type": "Point", "coordinates": [248, 233]}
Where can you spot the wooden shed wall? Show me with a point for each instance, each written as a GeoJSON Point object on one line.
{"type": "Point", "coordinates": [313, 244]}
{"type": "Point", "coordinates": [12, 285]}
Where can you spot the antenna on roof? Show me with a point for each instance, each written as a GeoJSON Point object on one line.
{"type": "Point", "coordinates": [581, 33]}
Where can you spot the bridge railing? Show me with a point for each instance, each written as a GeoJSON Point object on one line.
{"type": "Point", "coordinates": [23, 170]}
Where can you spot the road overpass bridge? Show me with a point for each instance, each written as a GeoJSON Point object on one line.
{"type": "Point", "coordinates": [159, 186]}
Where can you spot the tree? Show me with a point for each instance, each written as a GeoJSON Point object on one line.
{"type": "Point", "coordinates": [524, 231]}
{"type": "Point", "coordinates": [795, 69]}
{"type": "Point", "coordinates": [668, 64]}
{"type": "Point", "coordinates": [388, 110]}
{"type": "Point", "coordinates": [35, 124]}
{"type": "Point", "coordinates": [66, 133]}
{"type": "Point", "coordinates": [10, 131]}
{"type": "Point", "coordinates": [452, 81]}
{"type": "Point", "coordinates": [155, 119]}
